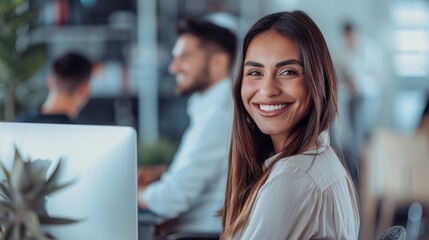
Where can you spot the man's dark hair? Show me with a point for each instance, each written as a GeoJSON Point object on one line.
{"type": "Point", "coordinates": [209, 33]}
{"type": "Point", "coordinates": [71, 70]}
{"type": "Point", "coordinates": [348, 27]}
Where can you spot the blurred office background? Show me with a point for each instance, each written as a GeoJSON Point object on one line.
{"type": "Point", "coordinates": [130, 41]}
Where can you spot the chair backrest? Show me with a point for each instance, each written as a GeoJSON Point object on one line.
{"type": "Point", "coordinates": [394, 170]}
{"type": "Point", "coordinates": [397, 166]}
{"type": "Point", "coordinates": [192, 236]}
{"type": "Point", "coordinates": [394, 233]}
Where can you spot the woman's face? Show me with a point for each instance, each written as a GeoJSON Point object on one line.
{"type": "Point", "coordinates": [274, 91]}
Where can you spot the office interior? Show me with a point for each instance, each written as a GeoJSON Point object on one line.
{"type": "Point", "coordinates": [130, 42]}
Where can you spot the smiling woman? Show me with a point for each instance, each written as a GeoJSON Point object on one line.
{"type": "Point", "coordinates": [274, 91]}
{"type": "Point", "coordinates": [284, 179]}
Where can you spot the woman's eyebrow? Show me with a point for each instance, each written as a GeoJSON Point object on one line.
{"type": "Point", "coordinates": [287, 62]}
{"type": "Point", "coordinates": [253, 64]}
{"type": "Point", "coordinates": [280, 64]}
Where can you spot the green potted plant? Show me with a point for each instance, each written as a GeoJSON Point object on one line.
{"type": "Point", "coordinates": [153, 160]}
{"type": "Point", "coordinates": [19, 59]}
{"type": "Point", "coordinates": [158, 153]}
{"type": "Point", "coordinates": [24, 191]}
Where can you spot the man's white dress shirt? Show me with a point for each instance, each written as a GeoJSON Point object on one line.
{"type": "Point", "coordinates": [192, 191]}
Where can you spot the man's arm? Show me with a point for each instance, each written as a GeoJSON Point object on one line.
{"type": "Point", "coordinates": [146, 176]}
{"type": "Point", "coordinates": [201, 159]}
{"type": "Point", "coordinates": [150, 174]}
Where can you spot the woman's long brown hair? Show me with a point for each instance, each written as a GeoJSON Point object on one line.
{"type": "Point", "coordinates": [249, 146]}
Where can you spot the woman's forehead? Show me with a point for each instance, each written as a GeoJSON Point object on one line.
{"type": "Point", "coordinates": [272, 45]}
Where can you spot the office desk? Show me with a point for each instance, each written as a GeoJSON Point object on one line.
{"type": "Point", "coordinates": [146, 223]}
{"type": "Point", "coordinates": [148, 220]}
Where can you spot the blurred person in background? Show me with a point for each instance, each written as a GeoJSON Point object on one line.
{"type": "Point", "coordinates": [69, 91]}
{"type": "Point", "coordinates": [361, 73]}
{"type": "Point", "coordinates": [424, 120]}
{"type": "Point", "coordinates": [284, 180]}
{"type": "Point", "coordinates": [190, 193]}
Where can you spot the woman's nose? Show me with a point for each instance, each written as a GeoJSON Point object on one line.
{"type": "Point", "coordinates": [269, 88]}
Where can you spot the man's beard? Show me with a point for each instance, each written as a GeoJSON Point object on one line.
{"type": "Point", "coordinates": [201, 82]}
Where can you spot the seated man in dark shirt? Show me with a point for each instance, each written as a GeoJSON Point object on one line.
{"type": "Point", "coordinates": [69, 91]}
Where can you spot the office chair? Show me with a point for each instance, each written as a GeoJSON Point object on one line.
{"type": "Point", "coordinates": [394, 173]}
{"type": "Point", "coordinates": [192, 236]}
{"type": "Point", "coordinates": [394, 233]}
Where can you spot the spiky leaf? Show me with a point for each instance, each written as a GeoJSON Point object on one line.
{"type": "Point", "coordinates": [8, 233]}
{"type": "Point", "coordinates": [32, 223]}
{"type": "Point", "coordinates": [55, 174]}
{"type": "Point", "coordinates": [40, 167]}
{"type": "Point", "coordinates": [17, 173]}
{"type": "Point", "coordinates": [45, 219]}
{"type": "Point", "coordinates": [4, 190]}
{"type": "Point", "coordinates": [55, 188]}
{"type": "Point", "coordinates": [5, 172]}
{"type": "Point", "coordinates": [22, 211]}
{"type": "Point", "coordinates": [6, 206]}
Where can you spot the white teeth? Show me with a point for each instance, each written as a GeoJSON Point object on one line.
{"type": "Point", "coordinates": [270, 108]}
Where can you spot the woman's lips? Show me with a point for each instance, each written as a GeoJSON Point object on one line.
{"type": "Point", "coordinates": [271, 110]}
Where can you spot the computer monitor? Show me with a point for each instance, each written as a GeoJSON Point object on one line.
{"type": "Point", "coordinates": [101, 160]}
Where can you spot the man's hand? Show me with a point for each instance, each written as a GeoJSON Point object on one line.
{"type": "Point", "coordinates": [140, 200]}
{"type": "Point", "coordinates": [147, 175]}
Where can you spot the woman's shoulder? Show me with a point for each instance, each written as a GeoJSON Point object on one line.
{"type": "Point", "coordinates": [321, 170]}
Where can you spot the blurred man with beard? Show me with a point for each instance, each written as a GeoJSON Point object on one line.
{"type": "Point", "coordinates": [189, 195]}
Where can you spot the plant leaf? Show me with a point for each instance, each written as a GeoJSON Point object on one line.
{"type": "Point", "coordinates": [4, 221]}
{"type": "Point", "coordinates": [16, 231]}
{"type": "Point", "coordinates": [6, 172]}
{"type": "Point", "coordinates": [45, 219]}
{"type": "Point", "coordinates": [39, 197]}
{"type": "Point", "coordinates": [37, 171]}
{"type": "Point", "coordinates": [6, 205]}
{"type": "Point", "coordinates": [40, 167]}
{"type": "Point", "coordinates": [30, 62]}
{"type": "Point", "coordinates": [55, 174]}
{"type": "Point", "coordinates": [4, 191]}
{"type": "Point", "coordinates": [17, 170]}
{"type": "Point", "coordinates": [21, 210]}
{"type": "Point", "coordinates": [55, 188]}
{"type": "Point", "coordinates": [31, 222]}
{"type": "Point", "coordinates": [50, 236]}
{"type": "Point", "coordinates": [7, 235]}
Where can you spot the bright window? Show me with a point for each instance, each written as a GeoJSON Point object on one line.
{"type": "Point", "coordinates": [411, 38]}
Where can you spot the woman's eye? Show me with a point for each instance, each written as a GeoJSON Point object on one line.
{"type": "Point", "coordinates": [289, 72]}
{"type": "Point", "coordinates": [253, 73]}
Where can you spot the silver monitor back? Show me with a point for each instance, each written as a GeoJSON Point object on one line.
{"type": "Point", "coordinates": [102, 160]}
